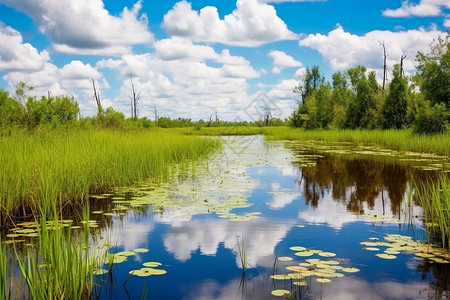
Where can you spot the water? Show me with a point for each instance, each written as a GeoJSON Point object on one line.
{"type": "Point", "coordinates": [258, 199]}
{"type": "Point", "coordinates": [322, 201]}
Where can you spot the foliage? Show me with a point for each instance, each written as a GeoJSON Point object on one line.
{"type": "Point", "coordinates": [432, 118]}
{"type": "Point", "coordinates": [395, 108]}
{"type": "Point", "coordinates": [54, 110]}
{"type": "Point", "coordinates": [434, 71]}
{"type": "Point", "coordinates": [47, 167]}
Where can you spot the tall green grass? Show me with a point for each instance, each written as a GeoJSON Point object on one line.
{"type": "Point", "coordinates": [402, 140]}
{"type": "Point", "coordinates": [44, 168]}
{"type": "Point", "coordinates": [434, 197]}
{"type": "Point", "coordinates": [61, 267]}
{"type": "Point", "coordinates": [226, 130]}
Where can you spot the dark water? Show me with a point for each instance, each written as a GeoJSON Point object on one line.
{"type": "Point", "coordinates": [299, 197]}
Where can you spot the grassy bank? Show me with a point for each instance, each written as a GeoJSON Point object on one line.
{"type": "Point", "coordinates": [227, 130]}
{"type": "Point", "coordinates": [402, 140]}
{"type": "Point", "coordinates": [44, 168]}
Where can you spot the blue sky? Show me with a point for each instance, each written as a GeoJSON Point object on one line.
{"type": "Point", "coordinates": [193, 58]}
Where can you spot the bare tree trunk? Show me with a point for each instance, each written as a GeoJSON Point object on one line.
{"type": "Point", "coordinates": [97, 98]}
{"type": "Point", "coordinates": [401, 65]}
{"type": "Point", "coordinates": [384, 65]}
{"type": "Point", "coordinates": [134, 99]}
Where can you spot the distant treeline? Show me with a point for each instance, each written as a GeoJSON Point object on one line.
{"type": "Point", "coordinates": [354, 99]}
{"type": "Point", "coordinates": [25, 112]}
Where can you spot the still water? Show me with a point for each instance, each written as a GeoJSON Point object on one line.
{"type": "Point", "coordinates": [251, 203]}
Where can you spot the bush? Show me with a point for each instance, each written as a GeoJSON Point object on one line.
{"type": "Point", "coordinates": [432, 119]}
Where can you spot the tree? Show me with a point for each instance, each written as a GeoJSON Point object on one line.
{"type": "Point", "coordinates": [434, 70]}
{"type": "Point", "coordinates": [134, 99]}
{"type": "Point", "coordinates": [312, 80]}
{"type": "Point", "coordinates": [395, 108]}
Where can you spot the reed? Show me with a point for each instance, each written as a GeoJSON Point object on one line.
{"type": "Point", "coordinates": [434, 197]}
{"type": "Point", "coordinates": [61, 266]}
{"type": "Point", "coordinates": [63, 167]}
{"type": "Point", "coordinates": [402, 140]}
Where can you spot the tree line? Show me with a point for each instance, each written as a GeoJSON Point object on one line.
{"type": "Point", "coordinates": [354, 98]}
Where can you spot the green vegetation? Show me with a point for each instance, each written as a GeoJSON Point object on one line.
{"type": "Point", "coordinates": [355, 100]}
{"type": "Point", "coordinates": [3, 270]}
{"type": "Point", "coordinates": [434, 197]}
{"type": "Point", "coordinates": [62, 268]}
{"type": "Point", "coordinates": [403, 140]}
{"type": "Point", "coordinates": [63, 167]}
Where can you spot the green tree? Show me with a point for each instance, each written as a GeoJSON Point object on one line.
{"type": "Point", "coordinates": [395, 108]}
{"type": "Point", "coordinates": [434, 72]}
{"type": "Point", "coordinates": [312, 80]}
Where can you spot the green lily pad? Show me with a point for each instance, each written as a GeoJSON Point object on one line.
{"type": "Point", "coordinates": [305, 253]}
{"type": "Point", "coordinates": [140, 250]}
{"type": "Point", "coordinates": [386, 256]}
{"type": "Point", "coordinates": [125, 253]}
{"type": "Point", "coordinates": [152, 264]}
{"type": "Point", "coordinates": [99, 271]}
{"type": "Point", "coordinates": [351, 270]}
{"type": "Point", "coordinates": [327, 254]}
{"type": "Point", "coordinates": [285, 258]}
{"type": "Point", "coordinates": [323, 280]}
{"type": "Point", "coordinates": [280, 293]}
{"type": "Point", "coordinates": [297, 248]}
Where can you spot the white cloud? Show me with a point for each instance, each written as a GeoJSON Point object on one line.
{"type": "Point", "coordinates": [16, 55]}
{"type": "Point", "coordinates": [425, 8]}
{"type": "Point", "coordinates": [178, 49]}
{"type": "Point", "coordinates": [282, 60]}
{"type": "Point", "coordinates": [251, 24]}
{"type": "Point", "coordinates": [344, 50]}
{"type": "Point", "coordinates": [283, 90]}
{"type": "Point", "coordinates": [198, 82]}
{"type": "Point", "coordinates": [77, 70]}
{"type": "Point", "coordinates": [447, 22]}
{"type": "Point", "coordinates": [86, 27]}
{"type": "Point", "coordinates": [282, 1]}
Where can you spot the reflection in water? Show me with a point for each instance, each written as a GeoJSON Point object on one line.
{"type": "Point", "coordinates": [200, 249]}
{"type": "Point", "coordinates": [206, 235]}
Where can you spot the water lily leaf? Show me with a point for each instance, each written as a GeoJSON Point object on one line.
{"type": "Point", "coordinates": [304, 253]}
{"type": "Point", "coordinates": [386, 256]}
{"type": "Point", "coordinates": [313, 260]}
{"type": "Point", "coordinates": [99, 271]}
{"type": "Point", "coordinates": [285, 258]}
{"type": "Point", "coordinates": [296, 268]}
{"type": "Point", "coordinates": [280, 293]}
{"type": "Point", "coordinates": [371, 249]}
{"type": "Point", "coordinates": [140, 250]}
{"type": "Point", "coordinates": [351, 270]}
{"type": "Point", "coordinates": [125, 253]}
{"type": "Point", "coordinates": [327, 254]}
{"type": "Point", "coordinates": [323, 280]}
{"type": "Point", "coordinates": [280, 277]}
{"type": "Point", "coordinates": [300, 283]}
{"type": "Point", "coordinates": [297, 248]}
{"type": "Point", "coordinates": [154, 271]}
{"type": "Point", "coordinates": [152, 264]}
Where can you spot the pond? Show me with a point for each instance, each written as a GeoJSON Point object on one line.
{"type": "Point", "coordinates": [257, 219]}
{"type": "Point", "coordinates": [279, 209]}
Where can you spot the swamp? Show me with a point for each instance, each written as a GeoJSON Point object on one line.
{"type": "Point", "coordinates": [252, 219]}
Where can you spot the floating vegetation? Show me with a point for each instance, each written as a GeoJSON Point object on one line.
{"type": "Point", "coordinates": [280, 293]}
{"type": "Point", "coordinates": [140, 250]}
{"type": "Point", "coordinates": [148, 270]}
{"type": "Point", "coordinates": [285, 258]}
{"type": "Point", "coordinates": [396, 244]}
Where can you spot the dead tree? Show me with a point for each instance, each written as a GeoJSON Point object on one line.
{"type": "Point", "coordinates": [401, 65]}
{"type": "Point", "coordinates": [156, 112]}
{"type": "Point", "coordinates": [97, 98]}
{"type": "Point", "coordinates": [134, 99]}
{"type": "Point", "coordinates": [384, 65]}
{"type": "Point", "coordinates": [267, 115]}
{"type": "Point", "coordinates": [210, 120]}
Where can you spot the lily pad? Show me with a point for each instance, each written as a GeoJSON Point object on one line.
{"type": "Point", "coordinates": [297, 248]}
{"type": "Point", "coordinates": [323, 280]}
{"type": "Point", "coordinates": [305, 253]}
{"type": "Point", "coordinates": [285, 258]}
{"type": "Point", "coordinates": [126, 253]}
{"type": "Point", "coordinates": [386, 256]}
{"type": "Point", "coordinates": [140, 250]}
{"type": "Point", "coordinates": [99, 271]}
{"type": "Point", "coordinates": [152, 264]}
{"type": "Point", "coordinates": [327, 254]}
{"type": "Point", "coordinates": [350, 270]}
{"type": "Point", "coordinates": [280, 293]}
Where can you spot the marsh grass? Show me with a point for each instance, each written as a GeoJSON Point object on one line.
{"type": "Point", "coordinates": [434, 197]}
{"type": "Point", "coordinates": [242, 248]}
{"type": "Point", "coordinates": [60, 267]}
{"type": "Point", "coordinates": [226, 130]}
{"type": "Point", "coordinates": [63, 167]}
{"type": "Point", "coordinates": [402, 140]}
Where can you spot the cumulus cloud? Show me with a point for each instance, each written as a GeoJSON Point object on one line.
{"type": "Point", "coordinates": [86, 27]}
{"type": "Point", "coordinates": [282, 1]}
{"type": "Point", "coordinates": [344, 50]}
{"type": "Point", "coordinates": [194, 85]}
{"type": "Point", "coordinates": [251, 24]}
{"type": "Point", "coordinates": [282, 60]}
{"type": "Point", "coordinates": [447, 22]}
{"type": "Point", "coordinates": [16, 55]}
{"type": "Point", "coordinates": [425, 8]}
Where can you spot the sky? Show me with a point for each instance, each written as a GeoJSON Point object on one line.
{"type": "Point", "coordinates": [196, 58]}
